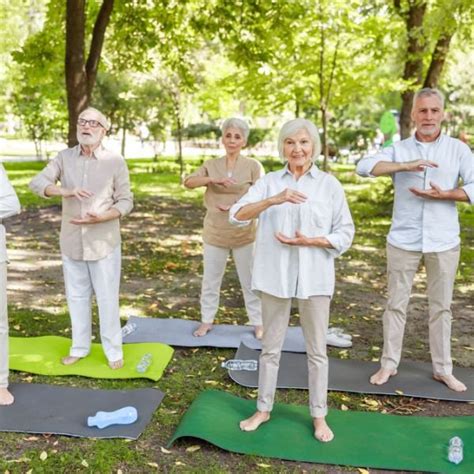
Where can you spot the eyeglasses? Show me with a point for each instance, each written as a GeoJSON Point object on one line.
{"type": "Point", "coordinates": [92, 123]}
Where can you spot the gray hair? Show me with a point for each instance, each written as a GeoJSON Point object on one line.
{"type": "Point", "coordinates": [428, 92]}
{"type": "Point", "coordinates": [294, 126]}
{"type": "Point", "coordinates": [235, 122]}
{"type": "Point", "coordinates": [101, 118]}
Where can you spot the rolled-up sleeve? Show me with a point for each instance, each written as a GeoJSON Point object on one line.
{"type": "Point", "coordinates": [122, 195]}
{"type": "Point", "coordinates": [49, 175]}
{"type": "Point", "coordinates": [367, 164]}
{"type": "Point", "coordinates": [9, 203]}
{"type": "Point", "coordinates": [256, 193]}
{"type": "Point", "coordinates": [342, 231]}
{"type": "Point", "coordinates": [466, 171]}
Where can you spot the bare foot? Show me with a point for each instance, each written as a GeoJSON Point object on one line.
{"type": "Point", "coordinates": [452, 382]}
{"type": "Point", "coordinates": [116, 364]}
{"type": "Point", "coordinates": [322, 432]}
{"type": "Point", "coordinates": [69, 360]}
{"type": "Point", "coordinates": [252, 423]}
{"type": "Point", "coordinates": [202, 330]}
{"type": "Point", "coordinates": [6, 398]}
{"type": "Point", "coordinates": [382, 375]}
{"type": "Point", "coordinates": [258, 332]}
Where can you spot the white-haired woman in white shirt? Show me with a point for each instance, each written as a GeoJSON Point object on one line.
{"type": "Point", "coordinates": [304, 223]}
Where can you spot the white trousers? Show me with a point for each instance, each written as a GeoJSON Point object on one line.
{"type": "Point", "coordinates": [3, 326]}
{"type": "Point", "coordinates": [441, 270]}
{"type": "Point", "coordinates": [82, 279]}
{"type": "Point", "coordinates": [314, 317]}
{"type": "Point", "coordinates": [215, 259]}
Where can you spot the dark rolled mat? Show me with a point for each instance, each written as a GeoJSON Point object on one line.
{"type": "Point", "coordinates": [43, 408]}
{"type": "Point", "coordinates": [414, 379]}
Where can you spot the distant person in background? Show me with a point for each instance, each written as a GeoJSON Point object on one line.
{"type": "Point", "coordinates": [304, 223]}
{"type": "Point", "coordinates": [389, 128]}
{"type": "Point", "coordinates": [9, 206]}
{"type": "Point", "coordinates": [425, 169]}
{"type": "Point", "coordinates": [226, 180]}
{"type": "Point", "coordinates": [95, 191]}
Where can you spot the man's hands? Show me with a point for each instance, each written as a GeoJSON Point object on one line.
{"type": "Point", "coordinates": [301, 240]}
{"type": "Point", "coordinates": [418, 165]}
{"type": "Point", "coordinates": [434, 193]}
{"type": "Point", "coordinates": [78, 193]}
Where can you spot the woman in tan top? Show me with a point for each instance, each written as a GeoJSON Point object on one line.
{"type": "Point", "coordinates": [227, 179]}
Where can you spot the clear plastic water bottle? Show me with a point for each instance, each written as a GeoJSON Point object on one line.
{"type": "Point", "coordinates": [144, 363]}
{"type": "Point", "coordinates": [122, 416]}
{"type": "Point", "coordinates": [455, 450]}
{"type": "Point", "coordinates": [128, 329]}
{"type": "Point", "coordinates": [237, 364]}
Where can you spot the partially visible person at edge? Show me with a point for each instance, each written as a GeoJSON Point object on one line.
{"type": "Point", "coordinates": [9, 206]}
{"type": "Point", "coordinates": [226, 180]}
{"type": "Point", "coordinates": [304, 224]}
{"type": "Point", "coordinates": [95, 191]}
{"type": "Point", "coordinates": [425, 170]}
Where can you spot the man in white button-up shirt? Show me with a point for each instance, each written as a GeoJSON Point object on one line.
{"type": "Point", "coordinates": [9, 206]}
{"type": "Point", "coordinates": [304, 223]}
{"type": "Point", "coordinates": [426, 170]}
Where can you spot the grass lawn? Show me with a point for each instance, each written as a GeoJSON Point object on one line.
{"type": "Point", "coordinates": [161, 278]}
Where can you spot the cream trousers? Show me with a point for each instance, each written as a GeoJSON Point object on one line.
{"type": "Point", "coordinates": [215, 259]}
{"type": "Point", "coordinates": [3, 326]}
{"type": "Point", "coordinates": [314, 316]}
{"type": "Point", "coordinates": [82, 279]}
{"type": "Point", "coordinates": [441, 270]}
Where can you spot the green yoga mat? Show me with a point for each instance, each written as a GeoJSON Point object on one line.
{"type": "Point", "coordinates": [42, 355]}
{"type": "Point", "coordinates": [361, 439]}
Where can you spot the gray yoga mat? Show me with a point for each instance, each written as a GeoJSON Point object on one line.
{"type": "Point", "coordinates": [42, 408]}
{"type": "Point", "coordinates": [179, 332]}
{"type": "Point", "coordinates": [414, 379]}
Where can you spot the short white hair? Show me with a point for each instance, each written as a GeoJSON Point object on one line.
{"type": "Point", "coordinates": [101, 118]}
{"type": "Point", "coordinates": [428, 92]}
{"type": "Point", "coordinates": [294, 126]}
{"type": "Point", "coordinates": [235, 122]}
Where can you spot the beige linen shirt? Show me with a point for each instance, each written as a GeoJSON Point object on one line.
{"type": "Point", "coordinates": [217, 229]}
{"type": "Point", "coordinates": [105, 174]}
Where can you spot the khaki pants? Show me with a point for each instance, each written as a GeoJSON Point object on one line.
{"type": "Point", "coordinates": [3, 326]}
{"type": "Point", "coordinates": [215, 259]}
{"type": "Point", "coordinates": [314, 315]}
{"type": "Point", "coordinates": [441, 270]}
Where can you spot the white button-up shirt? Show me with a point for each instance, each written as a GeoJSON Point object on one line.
{"type": "Point", "coordinates": [9, 206]}
{"type": "Point", "coordinates": [418, 224]}
{"type": "Point", "coordinates": [287, 271]}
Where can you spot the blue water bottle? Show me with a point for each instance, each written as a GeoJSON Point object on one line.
{"type": "Point", "coordinates": [122, 416]}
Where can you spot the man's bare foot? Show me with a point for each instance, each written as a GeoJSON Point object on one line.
{"type": "Point", "coordinates": [6, 398]}
{"type": "Point", "coordinates": [116, 364]}
{"type": "Point", "coordinates": [382, 375]}
{"type": "Point", "coordinates": [202, 330]}
{"type": "Point", "coordinates": [69, 360]}
{"type": "Point", "coordinates": [322, 432]}
{"type": "Point", "coordinates": [452, 382]}
{"type": "Point", "coordinates": [252, 423]}
{"type": "Point", "coordinates": [258, 332]}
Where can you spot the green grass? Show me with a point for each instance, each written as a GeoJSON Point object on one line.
{"type": "Point", "coordinates": [162, 257]}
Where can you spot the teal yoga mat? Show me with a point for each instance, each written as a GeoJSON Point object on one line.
{"type": "Point", "coordinates": [361, 439]}
{"type": "Point", "coordinates": [42, 355]}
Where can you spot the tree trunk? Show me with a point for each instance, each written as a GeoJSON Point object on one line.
{"type": "Point", "coordinates": [438, 60]}
{"type": "Point", "coordinates": [413, 72]}
{"type": "Point", "coordinates": [81, 75]}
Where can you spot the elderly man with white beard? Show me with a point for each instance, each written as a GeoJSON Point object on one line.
{"type": "Point", "coordinates": [95, 191]}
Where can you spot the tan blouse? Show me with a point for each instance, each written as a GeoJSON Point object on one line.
{"type": "Point", "coordinates": [106, 175]}
{"type": "Point", "coordinates": [217, 229]}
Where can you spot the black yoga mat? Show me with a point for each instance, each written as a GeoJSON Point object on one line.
{"type": "Point", "coordinates": [414, 379]}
